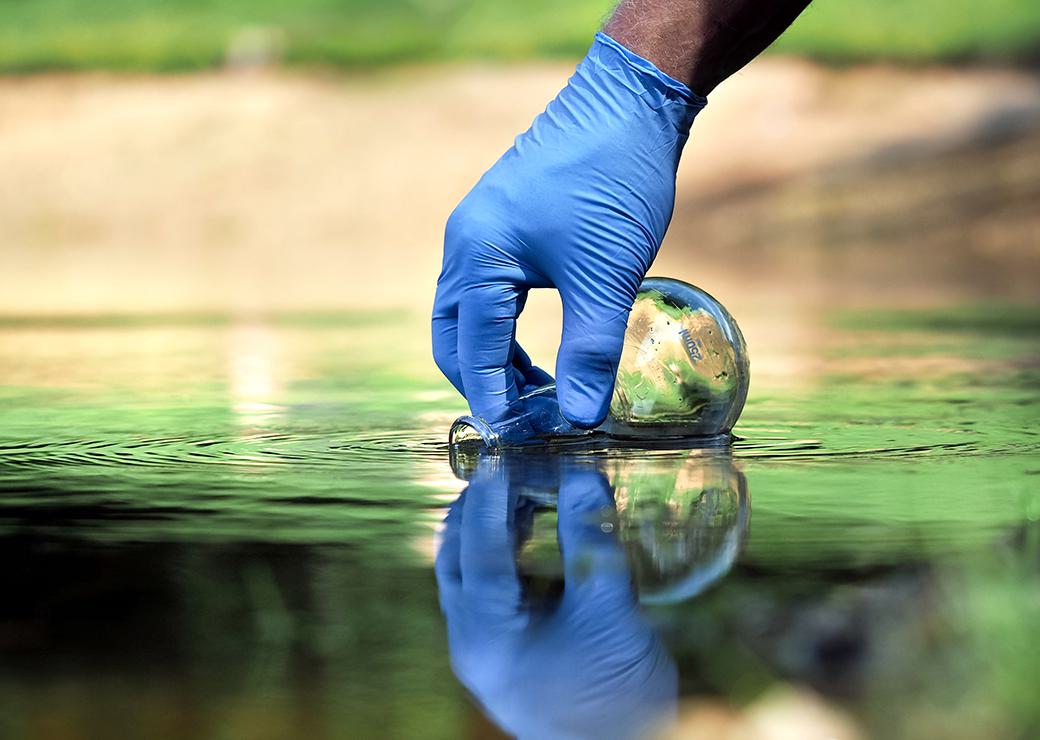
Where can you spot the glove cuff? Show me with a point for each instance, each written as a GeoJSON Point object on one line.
{"type": "Point", "coordinates": [642, 76]}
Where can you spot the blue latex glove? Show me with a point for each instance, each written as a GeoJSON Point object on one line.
{"type": "Point", "coordinates": [581, 203]}
{"type": "Point", "coordinates": [589, 666]}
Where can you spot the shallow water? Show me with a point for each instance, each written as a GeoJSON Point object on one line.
{"type": "Point", "coordinates": [252, 528]}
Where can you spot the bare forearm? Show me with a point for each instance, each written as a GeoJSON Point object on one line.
{"type": "Point", "coordinates": [701, 42]}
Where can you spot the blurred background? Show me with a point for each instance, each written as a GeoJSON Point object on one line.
{"type": "Point", "coordinates": [222, 462]}
{"type": "Point", "coordinates": [222, 156]}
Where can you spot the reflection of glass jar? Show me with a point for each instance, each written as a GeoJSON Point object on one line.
{"type": "Point", "coordinates": [683, 373]}
{"type": "Point", "coordinates": [682, 521]}
{"type": "Point", "coordinates": [681, 517]}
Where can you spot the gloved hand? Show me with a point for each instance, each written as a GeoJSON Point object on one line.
{"type": "Point", "coordinates": [581, 203]}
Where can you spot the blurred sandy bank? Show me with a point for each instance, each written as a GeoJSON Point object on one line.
{"type": "Point", "coordinates": [256, 192]}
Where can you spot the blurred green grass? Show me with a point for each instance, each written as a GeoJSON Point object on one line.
{"type": "Point", "coordinates": [177, 35]}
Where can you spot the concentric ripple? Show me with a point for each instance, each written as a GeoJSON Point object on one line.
{"type": "Point", "coordinates": [387, 448]}
{"type": "Point", "coordinates": [302, 449]}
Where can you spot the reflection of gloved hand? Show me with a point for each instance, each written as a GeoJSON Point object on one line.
{"type": "Point", "coordinates": [581, 203]}
{"type": "Point", "coordinates": [591, 667]}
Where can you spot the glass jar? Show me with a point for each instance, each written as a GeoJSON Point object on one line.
{"type": "Point", "coordinates": [683, 373]}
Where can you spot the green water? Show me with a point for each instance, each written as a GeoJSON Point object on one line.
{"type": "Point", "coordinates": [228, 528]}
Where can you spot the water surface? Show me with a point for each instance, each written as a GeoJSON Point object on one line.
{"type": "Point", "coordinates": [251, 527]}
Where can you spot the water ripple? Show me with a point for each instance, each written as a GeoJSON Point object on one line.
{"type": "Point", "coordinates": [385, 449]}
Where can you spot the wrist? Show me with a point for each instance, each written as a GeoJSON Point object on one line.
{"type": "Point", "coordinates": [618, 72]}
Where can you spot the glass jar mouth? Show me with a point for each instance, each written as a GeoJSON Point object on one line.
{"type": "Point", "coordinates": [472, 431]}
